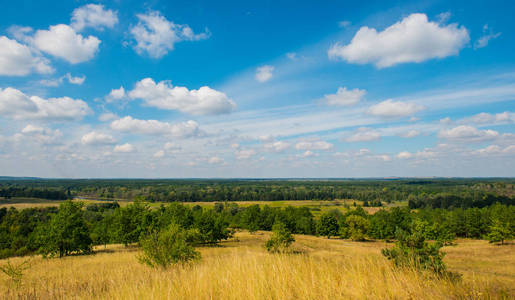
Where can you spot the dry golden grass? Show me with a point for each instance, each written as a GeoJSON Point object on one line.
{"type": "Point", "coordinates": [241, 269]}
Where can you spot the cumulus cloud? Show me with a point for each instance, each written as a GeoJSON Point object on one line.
{"type": "Point", "coordinates": [16, 105]}
{"type": "Point", "coordinates": [364, 134]}
{"type": "Point", "coordinates": [125, 148]}
{"type": "Point", "coordinates": [204, 101]}
{"type": "Point", "coordinates": [62, 41]}
{"type": "Point", "coordinates": [413, 39]}
{"type": "Point", "coordinates": [345, 97]}
{"type": "Point", "coordinates": [488, 35]}
{"type": "Point", "coordinates": [466, 133]}
{"type": "Point", "coordinates": [404, 155]}
{"type": "Point", "coordinates": [307, 153]}
{"type": "Point", "coordinates": [39, 134]}
{"type": "Point", "coordinates": [394, 109]}
{"type": "Point", "coordinates": [496, 150]}
{"type": "Point", "coordinates": [278, 146]}
{"type": "Point", "coordinates": [94, 16]}
{"type": "Point", "coordinates": [159, 154]}
{"type": "Point", "coordinates": [215, 160]}
{"type": "Point", "coordinates": [97, 138]}
{"type": "Point", "coordinates": [314, 145]}
{"type": "Point", "coordinates": [156, 36]}
{"type": "Point", "coordinates": [153, 127]}
{"type": "Point", "coordinates": [410, 134]}
{"type": "Point", "coordinates": [78, 80]}
{"type": "Point", "coordinates": [19, 60]}
{"type": "Point", "coordinates": [116, 94]}
{"type": "Point", "coordinates": [108, 116]}
{"type": "Point", "coordinates": [264, 73]}
{"type": "Point", "coordinates": [245, 154]}
{"type": "Point", "coordinates": [486, 118]}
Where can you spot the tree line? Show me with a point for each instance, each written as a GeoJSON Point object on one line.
{"type": "Point", "coordinates": [73, 228]}
{"type": "Point", "coordinates": [434, 193]}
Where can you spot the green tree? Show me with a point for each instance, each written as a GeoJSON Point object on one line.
{"type": "Point", "coordinates": [327, 225]}
{"type": "Point", "coordinates": [171, 246]}
{"type": "Point", "coordinates": [357, 227]}
{"type": "Point", "coordinates": [130, 222]}
{"type": "Point", "coordinates": [499, 232]}
{"type": "Point", "coordinates": [66, 232]}
{"type": "Point", "coordinates": [281, 239]}
{"type": "Point", "coordinates": [412, 250]}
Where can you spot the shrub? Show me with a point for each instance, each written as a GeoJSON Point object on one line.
{"type": "Point", "coordinates": [499, 232]}
{"type": "Point", "coordinates": [412, 250]}
{"type": "Point", "coordinates": [281, 239]}
{"type": "Point", "coordinates": [171, 246]}
{"type": "Point", "coordinates": [357, 227]}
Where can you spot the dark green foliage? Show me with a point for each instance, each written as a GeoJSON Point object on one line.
{"type": "Point", "coordinates": [66, 233]}
{"type": "Point", "coordinates": [130, 222]}
{"type": "Point", "coordinates": [281, 239]}
{"type": "Point", "coordinates": [328, 225]}
{"type": "Point", "coordinates": [499, 232]}
{"type": "Point", "coordinates": [170, 246]}
{"type": "Point", "coordinates": [357, 227]}
{"type": "Point", "coordinates": [413, 251]}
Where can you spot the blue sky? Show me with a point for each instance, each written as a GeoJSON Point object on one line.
{"type": "Point", "coordinates": [257, 89]}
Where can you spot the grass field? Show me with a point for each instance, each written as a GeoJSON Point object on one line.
{"type": "Point", "coordinates": [241, 269]}
{"type": "Point", "coordinates": [316, 206]}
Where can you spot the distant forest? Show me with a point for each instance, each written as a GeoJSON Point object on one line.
{"type": "Point", "coordinates": [420, 193]}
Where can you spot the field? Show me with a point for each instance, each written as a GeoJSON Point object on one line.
{"type": "Point", "coordinates": [241, 269]}
{"type": "Point", "coordinates": [316, 206]}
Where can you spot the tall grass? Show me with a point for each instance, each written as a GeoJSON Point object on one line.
{"type": "Point", "coordinates": [325, 269]}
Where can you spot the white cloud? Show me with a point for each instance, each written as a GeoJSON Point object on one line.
{"type": "Point", "coordinates": [486, 37]}
{"type": "Point", "coordinates": [486, 118]}
{"type": "Point", "coordinates": [38, 134]}
{"type": "Point", "coordinates": [264, 73]}
{"type": "Point", "coordinates": [314, 145]}
{"type": "Point", "coordinates": [215, 160]}
{"type": "Point", "coordinates": [159, 154]}
{"type": "Point", "coordinates": [393, 109]}
{"type": "Point", "coordinates": [466, 133]}
{"type": "Point", "coordinates": [97, 138]}
{"type": "Point", "coordinates": [245, 153]}
{"type": "Point", "coordinates": [62, 41]}
{"type": "Point", "coordinates": [204, 101]}
{"type": "Point", "coordinates": [116, 94]}
{"type": "Point", "coordinates": [278, 146]}
{"type": "Point", "coordinates": [125, 148]}
{"type": "Point", "coordinates": [156, 36]}
{"type": "Point", "coordinates": [364, 134]}
{"type": "Point", "coordinates": [94, 16]}
{"type": "Point", "coordinates": [404, 155]}
{"type": "Point", "coordinates": [414, 39]}
{"type": "Point", "coordinates": [18, 60]}
{"type": "Point", "coordinates": [344, 97]}
{"type": "Point", "coordinates": [495, 150]}
{"type": "Point", "coordinates": [153, 127]}
{"type": "Point", "coordinates": [410, 134]}
{"type": "Point", "coordinates": [108, 116]}
{"type": "Point", "coordinates": [78, 80]}
{"type": "Point", "coordinates": [308, 153]}
{"type": "Point", "coordinates": [16, 105]}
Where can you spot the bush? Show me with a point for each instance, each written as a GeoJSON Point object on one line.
{"type": "Point", "coordinates": [281, 239]}
{"type": "Point", "coordinates": [171, 246]}
{"type": "Point", "coordinates": [357, 227]}
{"type": "Point", "coordinates": [411, 250]}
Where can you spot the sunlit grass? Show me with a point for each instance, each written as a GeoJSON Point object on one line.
{"type": "Point", "coordinates": [242, 269]}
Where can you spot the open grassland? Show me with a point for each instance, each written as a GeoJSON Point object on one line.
{"type": "Point", "coordinates": [242, 269]}
{"type": "Point", "coordinates": [316, 206]}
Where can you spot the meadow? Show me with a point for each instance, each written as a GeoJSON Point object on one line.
{"type": "Point", "coordinates": [240, 268]}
